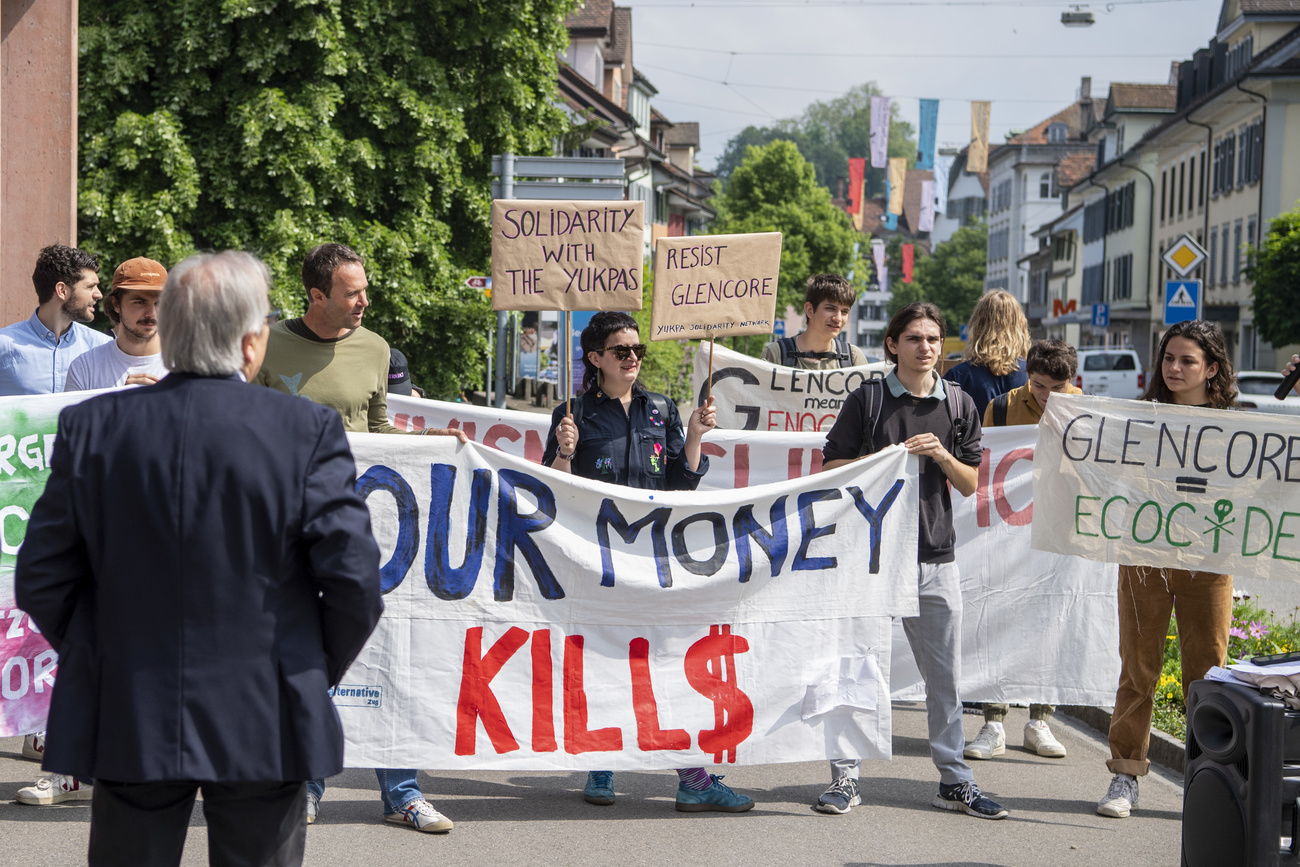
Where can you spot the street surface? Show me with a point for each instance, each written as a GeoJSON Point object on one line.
{"type": "Point", "coordinates": [505, 818]}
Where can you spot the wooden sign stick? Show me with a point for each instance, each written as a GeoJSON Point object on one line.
{"type": "Point", "coordinates": [709, 392]}
{"type": "Point", "coordinates": [568, 353]}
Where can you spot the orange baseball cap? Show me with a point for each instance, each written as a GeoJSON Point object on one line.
{"type": "Point", "coordinates": [140, 273]}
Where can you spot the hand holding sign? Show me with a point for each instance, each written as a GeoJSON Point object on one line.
{"type": "Point", "coordinates": [715, 285]}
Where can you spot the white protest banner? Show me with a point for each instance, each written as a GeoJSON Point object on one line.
{"type": "Point", "coordinates": [737, 459]}
{"type": "Point", "coordinates": [535, 620]}
{"type": "Point", "coordinates": [880, 106]}
{"type": "Point", "coordinates": [1036, 627]}
{"type": "Point", "coordinates": [1155, 484]}
{"type": "Point", "coordinates": [567, 255]}
{"type": "Point", "coordinates": [709, 286]}
{"type": "Point", "coordinates": [750, 394]}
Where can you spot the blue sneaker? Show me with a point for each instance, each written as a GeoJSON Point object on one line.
{"type": "Point", "coordinates": [716, 797]}
{"type": "Point", "coordinates": [599, 789]}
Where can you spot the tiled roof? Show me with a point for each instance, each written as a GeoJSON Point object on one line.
{"type": "Point", "coordinates": [1160, 97]}
{"type": "Point", "coordinates": [657, 117]}
{"type": "Point", "coordinates": [1257, 7]}
{"type": "Point", "coordinates": [591, 15]}
{"type": "Point", "coordinates": [873, 214]}
{"type": "Point", "coordinates": [1072, 116]}
{"type": "Point", "coordinates": [683, 134]}
{"type": "Point", "coordinates": [620, 36]}
{"type": "Point", "coordinates": [1073, 168]}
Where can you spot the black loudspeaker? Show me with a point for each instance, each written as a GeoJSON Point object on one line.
{"type": "Point", "coordinates": [1241, 780]}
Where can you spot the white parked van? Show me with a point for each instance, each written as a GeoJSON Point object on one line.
{"type": "Point", "coordinates": [1111, 372]}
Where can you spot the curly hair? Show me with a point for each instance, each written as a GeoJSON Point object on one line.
{"type": "Point", "coordinates": [57, 264]}
{"type": "Point", "coordinates": [1221, 388]}
{"type": "Point", "coordinates": [999, 333]}
{"type": "Point", "coordinates": [598, 330]}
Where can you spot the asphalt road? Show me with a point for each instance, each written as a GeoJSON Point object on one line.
{"type": "Point", "coordinates": [505, 818]}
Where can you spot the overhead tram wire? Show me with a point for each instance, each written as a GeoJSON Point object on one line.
{"type": "Point", "coordinates": [868, 4]}
{"type": "Point", "coordinates": [902, 55]}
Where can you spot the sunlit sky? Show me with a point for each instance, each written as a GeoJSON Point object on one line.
{"type": "Point", "coordinates": [732, 63]}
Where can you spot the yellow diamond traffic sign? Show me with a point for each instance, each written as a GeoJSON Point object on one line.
{"type": "Point", "coordinates": [1184, 257]}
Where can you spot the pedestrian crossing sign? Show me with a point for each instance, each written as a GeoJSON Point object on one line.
{"type": "Point", "coordinates": [1184, 256]}
{"type": "Point", "coordinates": [1182, 300]}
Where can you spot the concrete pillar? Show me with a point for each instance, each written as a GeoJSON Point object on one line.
{"type": "Point", "coordinates": [38, 141]}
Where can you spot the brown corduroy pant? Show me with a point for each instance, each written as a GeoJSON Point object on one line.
{"type": "Point", "coordinates": [1202, 602]}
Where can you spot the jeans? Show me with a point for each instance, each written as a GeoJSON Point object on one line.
{"type": "Point", "coordinates": [397, 788]}
{"type": "Point", "coordinates": [935, 639]}
{"type": "Point", "coordinates": [1202, 605]}
{"type": "Point", "coordinates": [997, 712]}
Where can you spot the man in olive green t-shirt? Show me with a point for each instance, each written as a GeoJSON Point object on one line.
{"type": "Point", "coordinates": [326, 356]}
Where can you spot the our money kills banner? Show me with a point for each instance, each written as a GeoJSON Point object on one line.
{"type": "Point", "coordinates": [750, 394]}
{"type": "Point", "coordinates": [536, 620]}
{"type": "Point", "coordinates": [1161, 485]}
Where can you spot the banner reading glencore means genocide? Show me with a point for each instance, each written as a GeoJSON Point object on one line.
{"type": "Point", "coordinates": [750, 394]}
{"type": "Point", "coordinates": [1155, 484]}
{"type": "Point", "coordinates": [538, 620]}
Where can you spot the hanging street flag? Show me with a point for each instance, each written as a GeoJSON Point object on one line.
{"type": "Point", "coordinates": [909, 253]}
{"type": "Point", "coordinates": [857, 171]}
{"type": "Point", "coordinates": [926, 222]}
{"type": "Point", "coordinates": [878, 253]}
{"type": "Point", "coordinates": [884, 279]}
{"type": "Point", "coordinates": [941, 170]}
{"type": "Point", "coordinates": [880, 106]}
{"type": "Point", "coordinates": [977, 158]}
{"type": "Point", "coordinates": [862, 212]}
{"type": "Point", "coordinates": [929, 129]}
{"type": "Point", "coordinates": [897, 179]}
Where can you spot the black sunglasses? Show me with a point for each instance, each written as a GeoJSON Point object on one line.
{"type": "Point", "coordinates": [622, 352]}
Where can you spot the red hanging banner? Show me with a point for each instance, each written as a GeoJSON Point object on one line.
{"type": "Point", "coordinates": [857, 170]}
{"type": "Point", "coordinates": [907, 262]}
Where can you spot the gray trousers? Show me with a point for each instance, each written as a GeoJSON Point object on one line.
{"type": "Point", "coordinates": [935, 638]}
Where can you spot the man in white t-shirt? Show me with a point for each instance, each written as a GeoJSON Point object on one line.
{"type": "Point", "coordinates": [135, 358]}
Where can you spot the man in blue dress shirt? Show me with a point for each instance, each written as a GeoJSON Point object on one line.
{"type": "Point", "coordinates": [35, 353]}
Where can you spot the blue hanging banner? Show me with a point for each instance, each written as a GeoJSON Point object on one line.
{"type": "Point", "coordinates": [929, 128]}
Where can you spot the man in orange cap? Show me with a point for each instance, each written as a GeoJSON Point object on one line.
{"type": "Point", "coordinates": [135, 358]}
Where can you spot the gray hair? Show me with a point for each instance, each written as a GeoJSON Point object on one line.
{"type": "Point", "coordinates": [211, 301]}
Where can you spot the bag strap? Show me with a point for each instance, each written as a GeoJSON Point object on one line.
{"type": "Point", "coordinates": [788, 350]}
{"type": "Point", "coordinates": [1000, 410]}
{"type": "Point", "coordinates": [846, 355]}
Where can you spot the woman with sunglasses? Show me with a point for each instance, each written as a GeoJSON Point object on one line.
{"type": "Point", "coordinates": [623, 434]}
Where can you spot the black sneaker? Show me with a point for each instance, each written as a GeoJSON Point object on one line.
{"type": "Point", "coordinates": [966, 797]}
{"type": "Point", "coordinates": [841, 797]}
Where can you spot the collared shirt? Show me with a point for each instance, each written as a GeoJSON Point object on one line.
{"type": "Point", "coordinates": [34, 361]}
{"type": "Point", "coordinates": [639, 447]}
{"type": "Point", "coordinates": [901, 415]}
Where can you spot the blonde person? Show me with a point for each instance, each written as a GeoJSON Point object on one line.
{"type": "Point", "coordinates": [996, 343]}
{"type": "Point", "coordinates": [1191, 369]}
{"type": "Point", "coordinates": [623, 434]}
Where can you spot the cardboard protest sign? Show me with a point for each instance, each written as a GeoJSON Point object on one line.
{"type": "Point", "coordinates": [1154, 484]}
{"type": "Point", "coordinates": [751, 394]}
{"type": "Point", "coordinates": [715, 285]}
{"type": "Point", "coordinates": [567, 255]}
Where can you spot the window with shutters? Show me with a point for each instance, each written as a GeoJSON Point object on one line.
{"type": "Point", "coordinates": [1164, 188]}
{"type": "Point", "coordinates": [1224, 257]}
{"type": "Point", "coordinates": [1213, 257]}
{"type": "Point", "coordinates": [1236, 252]}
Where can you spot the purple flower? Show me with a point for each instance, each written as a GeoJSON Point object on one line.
{"type": "Point", "coordinates": [1236, 632]}
{"type": "Point", "coordinates": [1257, 629]}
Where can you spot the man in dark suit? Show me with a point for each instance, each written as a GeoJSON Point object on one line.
{"type": "Point", "coordinates": [203, 565]}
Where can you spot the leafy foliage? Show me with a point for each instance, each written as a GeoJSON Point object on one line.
{"type": "Point", "coordinates": [827, 134]}
{"type": "Point", "coordinates": [1275, 273]}
{"type": "Point", "coordinates": [952, 278]}
{"type": "Point", "coordinates": [276, 125]}
{"type": "Point", "coordinates": [775, 190]}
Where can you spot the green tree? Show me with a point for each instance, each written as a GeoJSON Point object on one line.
{"type": "Point", "coordinates": [275, 125]}
{"type": "Point", "coordinates": [1274, 270]}
{"type": "Point", "coordinates": [775, 190]}
{"type": "Point", "coordinates": [952, 278]}
{"type": "Point", "coordinates": [827, 134]}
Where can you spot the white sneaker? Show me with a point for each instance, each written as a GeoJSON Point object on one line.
{"type": "Point", "coordinates": [54, 789]}
{"type": "Point", "coordinates": [991, 741]}
{"type": "Point", "coordinates": [34, 746]}
{"type": "Point", "coordinates": [1039, 739]}
{"type": "Point", "coordinates": [1121, 798]}
{"type": "Point", "coordinates": [421, 816]}
{"type": "Point", "coordinates": [313, 807]}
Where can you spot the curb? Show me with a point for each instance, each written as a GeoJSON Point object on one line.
{"type": "Point", "coordinates": [1164, 750]}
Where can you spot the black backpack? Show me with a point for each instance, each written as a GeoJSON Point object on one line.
{"type": "Point", "coordinates": [1000, 409]}
{"type": "Point", "coordinates": [874, 392]}
{"type": "Point", "coordinates": [790, 351]}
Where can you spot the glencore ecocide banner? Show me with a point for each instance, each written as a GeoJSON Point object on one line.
{"type": "Point", "coordinates": [536, 620]}
{"type": "Point", "coordinates": [750, 394]}
{"type": "Point", "coordinates": [1155, 484]}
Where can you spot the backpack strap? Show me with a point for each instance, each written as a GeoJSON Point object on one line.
{"type": "Point", "coordinates": [1000, 410]}
{"type": "Point", "coordinates": [846, 355]}
{"type": "Point", "coordinates": [953, 392]}
{"type": "Point", "coordinates": [874, 392]}
{"type": "Point", "coordinates": [659, 402]}
{"type": "Point", "coordinates": [789, 349]}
